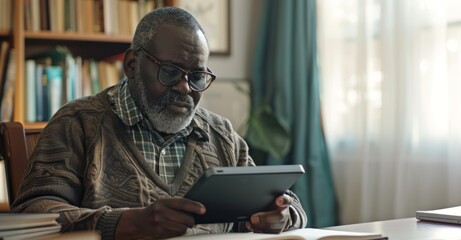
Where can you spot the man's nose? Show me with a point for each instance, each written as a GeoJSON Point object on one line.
{"type": "Point", "coordinates": [183, 85]}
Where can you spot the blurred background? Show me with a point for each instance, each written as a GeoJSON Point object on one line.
{"type": "Point", "coordinates": [365, 94]}
{"type": "Point", "coordinates": [389, 86]}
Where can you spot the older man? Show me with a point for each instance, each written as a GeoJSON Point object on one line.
{"type": "Point", "coordinates": [120, 161]}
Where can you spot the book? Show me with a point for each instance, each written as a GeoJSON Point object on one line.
{"type": "Point", "coordinates": [27, 15]}
{"type": "Point", "coordinates": [27, 233]}
{"type": "Point", "coordinates": [44, 15]}
{"type": "Point", "coordinates": [70, 78]}
{"type": "Point", "coordinates": [7, 101]}
{"type": "Point", "coordinates": [11, 221]}
{"type": "Point", "coordinates": [35, 15]}
{"type": "Point", "coordinates": [40, 80]}
{"type": "Point", "coordinates": [94, 77]}
{"type": "Point", "coordinates": [42, 96]}
{"type": "Point", "coordinates": [4, 50]}
{"type": "Point", "coordinates": [77, 235]}
{"type": "Point", "coordinates": [299, 234]}
{"type": "Point", "coordinates": [80, 15]}
{"type": "Point", "coordinates": [71, 11]}
{"type": "Point", "coordinates": [78, 87]}
{"type": "Point", "coordinates": [4, 202]}
{"type": "Point", "coordinates": [53, 14]}
{"type": "Point", "coordinates": [6, 10]}
{"type": "Point", "coordinates": [447, 215]}
{"type": "Point", "coordinates": [86, 78]}
{"type": "Point", "coordinates": [31, 86]}
{"type": "Point", "coordinates": [54, 88]}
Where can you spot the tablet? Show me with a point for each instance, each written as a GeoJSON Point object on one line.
{"type": "Point", "coordinates": [233, 194]}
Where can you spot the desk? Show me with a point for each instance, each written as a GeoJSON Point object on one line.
{"type": "Point", "coordinates": [406, 229]}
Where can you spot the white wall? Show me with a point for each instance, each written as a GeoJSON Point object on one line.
{"type": "Point", "coordinates": [245, 16]}
{"type": "Point", "coordinates": [235, 69]}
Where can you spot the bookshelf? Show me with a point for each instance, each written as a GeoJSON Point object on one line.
{"type": "Point", "coordinates": [87, 44]}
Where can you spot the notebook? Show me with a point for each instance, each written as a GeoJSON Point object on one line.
{"type": "Point", "coordinates": [299, 234]}
{"type": "Point", "coordinates": [447, 215]}
{"type": "Point", "coordinates": [232, 194]}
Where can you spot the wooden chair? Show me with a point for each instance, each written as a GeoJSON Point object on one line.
{"type": "Point", "coordinates": [17, 144]}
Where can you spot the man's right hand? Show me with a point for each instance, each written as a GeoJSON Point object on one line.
{"type": "Point", "coordinates": [168, 217]}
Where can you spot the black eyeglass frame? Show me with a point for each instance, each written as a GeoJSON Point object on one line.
{"type": "Point", "coordinates": [184, 72]}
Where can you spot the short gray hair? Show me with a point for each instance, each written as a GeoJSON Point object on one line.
{"type": "Point", "coordinates": [149, 24]}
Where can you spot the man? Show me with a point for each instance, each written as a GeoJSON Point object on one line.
{"type": "Point", "coordinates": [120, 161]}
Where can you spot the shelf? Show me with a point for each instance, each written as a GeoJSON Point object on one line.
{"type": "Point", "coordinates": [5, 33]}
{"type": "Point", "coordinates": [95, 46]}
{"type": "Point", "coordinates": [79, 37]}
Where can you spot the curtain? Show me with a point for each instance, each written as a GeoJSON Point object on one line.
{"type": "Point", "coordinates": [285, 76]}
{"type": "Point", "coordinates": [391, 104]}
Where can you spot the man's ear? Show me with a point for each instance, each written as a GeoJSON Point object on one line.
{"type": "Point", "coordinates": [129, 63]}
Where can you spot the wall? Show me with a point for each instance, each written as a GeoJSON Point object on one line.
{"type": "Point", "coordinates": [245, 18]}
{"type": "Point", "coordinates": [235, 69]}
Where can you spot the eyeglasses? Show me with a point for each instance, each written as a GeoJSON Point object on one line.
{"type": "Point", "coordinates": [169, 74]}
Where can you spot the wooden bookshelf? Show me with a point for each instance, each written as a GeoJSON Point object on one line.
{"type": "Point", "coordinates": [108, 35]}
{"type": "Point", "coordinates": [87, 45]}
{"type": "Point", "coordinates": [78, 37]}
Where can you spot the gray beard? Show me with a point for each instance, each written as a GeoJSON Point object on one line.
{"type": "Point", "coordinates": [157, 112]}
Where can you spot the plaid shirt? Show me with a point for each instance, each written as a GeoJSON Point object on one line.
{"type": "Point", "coordinates": [164, 155]}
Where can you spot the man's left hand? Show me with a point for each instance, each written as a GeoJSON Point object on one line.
{"type": "Point", "coordinates": [273, 221]}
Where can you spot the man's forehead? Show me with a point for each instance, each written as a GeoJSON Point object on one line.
{"type": "Point", "coordinates": [169, 38]}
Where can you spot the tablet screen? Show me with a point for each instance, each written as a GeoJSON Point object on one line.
{"type": "Point", "coordinates": [233, 194]}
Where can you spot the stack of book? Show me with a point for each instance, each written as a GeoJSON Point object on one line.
{"type": "Point", "coordinates": [16, 226]}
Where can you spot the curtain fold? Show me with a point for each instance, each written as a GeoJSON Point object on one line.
{"type": "Point", "coordinates": [390, 97]}
{"type": "Point", "coordinates": [285, 76]}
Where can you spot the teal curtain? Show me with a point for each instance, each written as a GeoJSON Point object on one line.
{"type": "Point", "coordinates": [285, 76]}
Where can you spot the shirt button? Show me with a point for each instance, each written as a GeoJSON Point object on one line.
{"type": "Point", "coordinates": [163, 152]}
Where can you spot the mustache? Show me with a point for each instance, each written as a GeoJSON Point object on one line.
{"type": "Point", "coordinates": [169, 96]}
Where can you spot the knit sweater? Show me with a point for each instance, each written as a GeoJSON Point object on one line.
{"type": "Point", "coordinates": [87, 168]}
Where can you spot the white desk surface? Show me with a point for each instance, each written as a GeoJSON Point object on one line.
{"type": "Point", "coordinates": [407, 229]}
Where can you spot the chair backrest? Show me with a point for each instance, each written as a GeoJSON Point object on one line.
{"type": "Point", "coordinates": [17, 146]}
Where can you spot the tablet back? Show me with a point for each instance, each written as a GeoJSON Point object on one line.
{"type": "Point", "coordinates": [232, 194]}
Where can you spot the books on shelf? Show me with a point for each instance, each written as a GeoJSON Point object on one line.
{"type": "Point", "coordinates": [299, 234]}
{"type": "Point", "coordinates": [55, 77]}
{"type": "Point", "coordinates": [87, 16]}
{"type": "Point", "coordinates": [16, 226]}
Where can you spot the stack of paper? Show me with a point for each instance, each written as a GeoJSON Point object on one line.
{"type": "Point", "coordinates": [447, 215]}
{"type": "Point", "coordinates": [16, 226]}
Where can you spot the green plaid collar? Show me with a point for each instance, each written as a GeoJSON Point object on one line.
{"type": "Point", "coordinates": [124, 106]}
